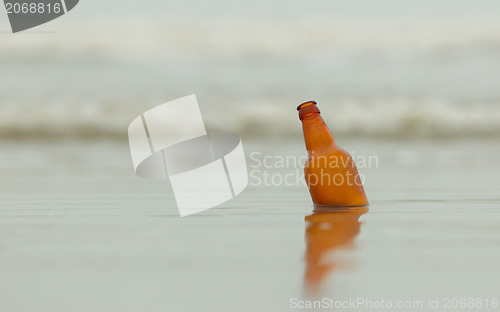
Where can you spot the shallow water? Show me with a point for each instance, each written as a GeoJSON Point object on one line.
{"type": "Point", "coordinates": [80, 232]}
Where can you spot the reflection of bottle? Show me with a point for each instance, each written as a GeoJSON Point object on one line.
{"type": "Point", "coordinates": [330, 172]}
{"type": "Point", "coordinates": [327, 231]}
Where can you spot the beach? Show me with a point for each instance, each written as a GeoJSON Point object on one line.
{"type": "Point", "coordinates": [79, 231]}
{"type": "Point", "coordinates": [408, 88]}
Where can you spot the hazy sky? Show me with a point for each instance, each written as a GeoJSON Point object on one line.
{"type": "Point", "coordinates": [285, 9]}
{"type": "Point", "coordinates": [300, 8]}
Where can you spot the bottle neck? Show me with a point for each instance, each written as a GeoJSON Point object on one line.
{"type": "Point", "coordinates": [316, 133]}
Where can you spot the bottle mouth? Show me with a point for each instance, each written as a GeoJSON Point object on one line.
{"type": "Point", "coordinates": [307, 109]}
{"type": "Point", "coordinates": [305, 104]}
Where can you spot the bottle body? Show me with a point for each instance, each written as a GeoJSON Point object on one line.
{"type": "Point", "coordinates": [333, 179]}
{"type": "Point", "coordinates": [330, 172]}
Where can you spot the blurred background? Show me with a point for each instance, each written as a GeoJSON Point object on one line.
{"type": "Point", "coordinates": [413, 83]}
{"type": "Point", "coordinates": [384, 68]}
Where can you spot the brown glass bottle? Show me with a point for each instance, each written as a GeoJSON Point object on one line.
{"type": "Point", "coordinates": [330, 172]}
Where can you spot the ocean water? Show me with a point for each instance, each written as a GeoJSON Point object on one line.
{"type": "Point", "coordinates": [388, 69]}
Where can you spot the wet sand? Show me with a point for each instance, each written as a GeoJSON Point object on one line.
{"type": "Point", "coordinates": [80, 232]}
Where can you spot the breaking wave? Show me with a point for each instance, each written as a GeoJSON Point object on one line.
{"type": "Point", "coordinates": [387, 118]}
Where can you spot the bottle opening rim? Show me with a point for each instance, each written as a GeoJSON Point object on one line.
{"type": "Point", "coordinates": [305, 104]}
